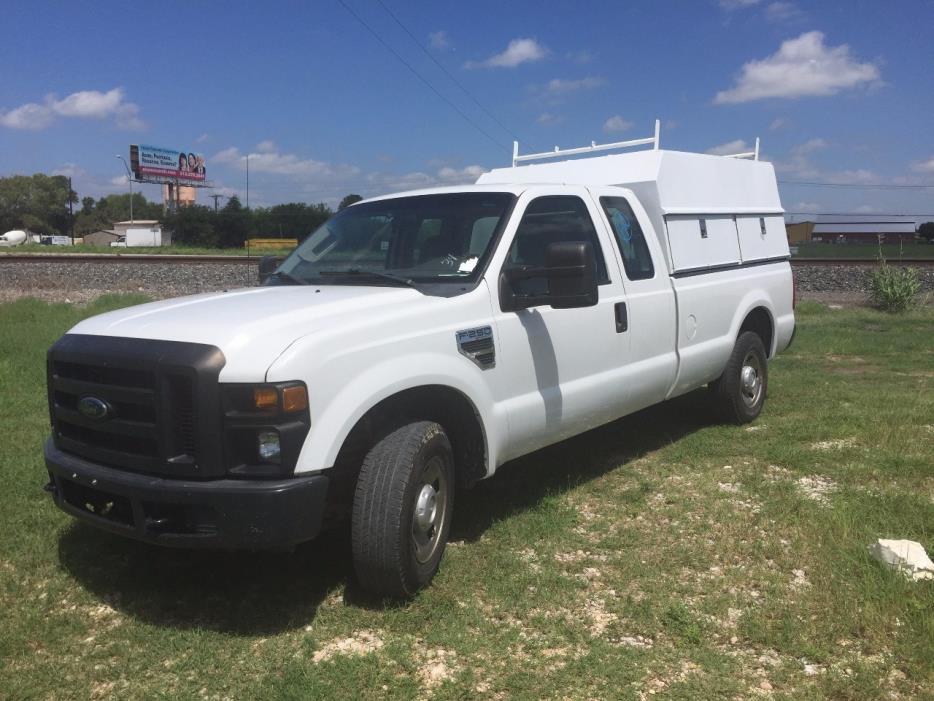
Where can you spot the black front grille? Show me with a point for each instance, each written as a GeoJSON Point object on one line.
{"type": "Point", "coordinates": [162, 411]}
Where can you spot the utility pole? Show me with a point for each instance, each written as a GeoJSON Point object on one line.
{"type": "Point", "coordinates": [248, 181]}
{"type": "Point", "coordinates": [216, 198]}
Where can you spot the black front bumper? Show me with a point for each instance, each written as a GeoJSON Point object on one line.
{"type": "Point", "coordinates": [221, 513]}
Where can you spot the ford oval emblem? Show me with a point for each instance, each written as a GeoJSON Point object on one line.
{"type": "Point", "coordinates": [94, 408]}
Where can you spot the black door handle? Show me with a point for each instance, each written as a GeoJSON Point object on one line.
{"type": "Point", "coordinates": [622, 317]}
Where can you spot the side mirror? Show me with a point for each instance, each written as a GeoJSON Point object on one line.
{"type": "Point", "coordinates": [570, 272]}
{"type": "Point", "coordinates": [267, 266]}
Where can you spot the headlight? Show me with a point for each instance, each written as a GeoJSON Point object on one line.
{"type": "Point", "coordinates": [268, 446]}
{"type": "Point", "coordinates": [264, 427]}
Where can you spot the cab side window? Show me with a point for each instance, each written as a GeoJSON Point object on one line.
{"type": "Point", "coordinates": [547, 220]}
{"type": "Point", "coordinates": [632, 246]}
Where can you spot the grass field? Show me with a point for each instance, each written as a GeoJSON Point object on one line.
{"type": "Point", "coordinates": [662, 555]}
{"type": "Point", "coordinates": [892, 251]}
{"type": "Point", "coordinates": [140, 250]}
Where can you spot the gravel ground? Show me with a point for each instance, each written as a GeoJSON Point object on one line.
{"type": "Point", "coordinates": [846, 278]}
{"type": "Point", "coordinates": [82, 282]}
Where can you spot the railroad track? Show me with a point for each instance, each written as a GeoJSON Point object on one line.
{"type": "Point", "coordinates": [248, 260]}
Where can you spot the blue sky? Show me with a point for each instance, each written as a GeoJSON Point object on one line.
{"type": "Point", "coordinates": [839, 92]}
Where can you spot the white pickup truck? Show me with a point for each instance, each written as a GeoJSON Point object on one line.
{"type": "Point", "coordinates": [416, 342]}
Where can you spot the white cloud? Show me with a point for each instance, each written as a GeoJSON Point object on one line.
{"type": "Point", "coordinates": [805, 206]}
{"type": "Point", "coordinates": [459, 176]}
{"type": "Point", "coordinates": [781, 11]}
{"type": "Point", "coordinates": [439, 41]}
{"type": "Point", "coordinates": [924, 166]}
{"type": "Point", "coordinates": [84, 104]}
{"type": "Point", "coordinates": [88, 104]}
{"type": "Point", "coordinates": [562, 86]}
{"type": "Point", "coordinates": [267, 146]}
{"type": "Point", "coordinates": [616, 124]}
{"type": "Point", "coordinates": [29, 116]}
{"type": "Point", "coordinates": [729, 148]}
{"type": "Point", "coordinates": [518, 52]}
{"type": "Point", "coordinates": [201, 139]}
{"type": "Point", "coordinates": [729, 5]}
{"type": "Point", "coordinates": [802, 67]}
{"type": "Point", "coordinates": [809, 146]}
{"type": "Point", "coordinates": [275, 163]}
{"type": "Point", "coordinates": [70, 170]}
{"type": "Point", "coordinates": [548, 119]}
{"type": "Point", "coordinates": [119, 180]}
{"type": "Point", "coordinates": [778, 123]}
{"type": "Point", "coordinates": [866, 209]}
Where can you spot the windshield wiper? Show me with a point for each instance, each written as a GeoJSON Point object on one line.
{"type": "Point", "coordinates": [397, 279]}
{"type": "Point", "coordinates": [282, 275]}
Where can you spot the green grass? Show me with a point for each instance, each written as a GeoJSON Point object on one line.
{"type": "Point", "coordinates": [892, 251]}
{"type": "Point", "coordinates": [663, 553]}
{"type": "Point", "coordinates": [179, 250]}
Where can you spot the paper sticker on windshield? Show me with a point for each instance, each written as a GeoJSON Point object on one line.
{"type": "Point", "coordinates": [468, 265]}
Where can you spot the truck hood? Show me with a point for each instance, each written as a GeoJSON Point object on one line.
{"type": "Point", "coordinates": [252, 326]}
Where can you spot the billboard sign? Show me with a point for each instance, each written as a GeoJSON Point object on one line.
{"type": "Point", "coordinates": [166, 165]}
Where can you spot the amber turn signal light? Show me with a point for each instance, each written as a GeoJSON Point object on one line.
{"type": "Point", "coordinates": [265, 397]}
{"type": "Point", "coordinates": [294, 399]}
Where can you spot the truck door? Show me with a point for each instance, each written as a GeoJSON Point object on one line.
{"type": "Point", "coordinates": [653, 360]}
{"type": "Point", "coordinates": [560, 371]}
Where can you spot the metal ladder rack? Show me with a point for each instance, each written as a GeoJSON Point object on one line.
{"type": "Point", "coordinates": [594, 147]}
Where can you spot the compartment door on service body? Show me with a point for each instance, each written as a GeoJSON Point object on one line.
{"type": "Point", "coordinates": [650, 299]}
{"type": "Point", "coordinates": [559, 371]}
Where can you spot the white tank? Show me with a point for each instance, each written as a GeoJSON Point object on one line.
{"type": "Point", "coordinates": [13, 238]}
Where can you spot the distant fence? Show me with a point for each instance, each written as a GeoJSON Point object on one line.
{"type": "Point", "coordinates": [268, 244]}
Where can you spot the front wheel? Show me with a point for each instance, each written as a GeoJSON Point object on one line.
{"type": "Point", "coordinates": [739, 393]}
{"type": "Point", "coordinates": [402, 510]}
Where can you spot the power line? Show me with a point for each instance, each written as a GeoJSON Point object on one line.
{"type": "Point", "coordinates": [449, 75]}
{"type": "Point", "coordinates": [879, 186]}
{"type": "Point", "coordinates": [421, 77]}
{"type": "Point", "coordinates": [859, 214]}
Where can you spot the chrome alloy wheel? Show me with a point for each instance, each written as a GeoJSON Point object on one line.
{"type": "Point", "coordinates": [430, 510]}
{"type": "Point", "coordinates": [750, 379]}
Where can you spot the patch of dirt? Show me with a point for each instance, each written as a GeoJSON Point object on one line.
{"type": "Point", "coordinates": [834, 444]}
{"type": "Point", "coordinates": [436, 666]}
{"type": "Point", "coordinates": [360, 643]}
{"type": "Point", "coordinates": [816, 488]}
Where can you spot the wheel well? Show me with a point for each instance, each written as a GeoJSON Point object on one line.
{"type": "Point", "coordinates": [759, 321]}
{"type": "Point", "coordinates": [444, 405]}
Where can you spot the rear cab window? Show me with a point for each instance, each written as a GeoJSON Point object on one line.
{"type": "Point", "coordinates": [637, 259]}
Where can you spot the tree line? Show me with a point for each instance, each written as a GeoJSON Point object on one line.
{"type": "Point", "coordinates": [40, 203]}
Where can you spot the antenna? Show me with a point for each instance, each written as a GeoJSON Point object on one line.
{"type": "Point", "coordinates": [654, 140]}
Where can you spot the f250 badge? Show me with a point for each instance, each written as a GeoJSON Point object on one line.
{"type": "Point", "coordinates": [477, 344]}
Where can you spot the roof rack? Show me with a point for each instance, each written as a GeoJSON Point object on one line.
{"type": "Point", "coordinates": [516, 158]}
{"type": "Point", "coordinates": [754, 155]}
{"type": "Point", "coordinates": [594, 146]}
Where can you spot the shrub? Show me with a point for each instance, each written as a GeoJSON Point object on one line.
{"type": "Point", "coordinates": [894, 289]}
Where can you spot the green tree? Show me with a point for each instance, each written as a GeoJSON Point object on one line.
{"type": "Point", "coordinates": [234, 224]}
{"type": "Point", "coordinates": [926, 231]}
{"type": "Point", "coordinates": [348, 200]}
{"type": "Point", "coordinates": [193, 226]}
{"type": "Point", "coordinates": [37, 202]}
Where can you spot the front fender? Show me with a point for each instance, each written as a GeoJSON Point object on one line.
{"type": "Point", "coordinates": [335, 414]}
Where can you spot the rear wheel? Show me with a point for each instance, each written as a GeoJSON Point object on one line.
{"type": "Point", "coordinates": [739, 393]}
{"type": "Point", "coordinates": [402, 510]}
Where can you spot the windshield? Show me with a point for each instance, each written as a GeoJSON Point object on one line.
{"type": "Point", "coordinates": [428, 238]}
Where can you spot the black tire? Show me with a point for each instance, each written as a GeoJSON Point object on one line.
{"type": "Point", "coordinates": [395, 550]}
{"type": "Point", "coordinates": [737, 399]}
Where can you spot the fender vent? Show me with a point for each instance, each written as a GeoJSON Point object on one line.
{"type": "Point", "coordinates": [477, 345]}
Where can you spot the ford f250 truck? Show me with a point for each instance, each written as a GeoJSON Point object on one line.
{"type": "Point", "coordinates": [416, 342]}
